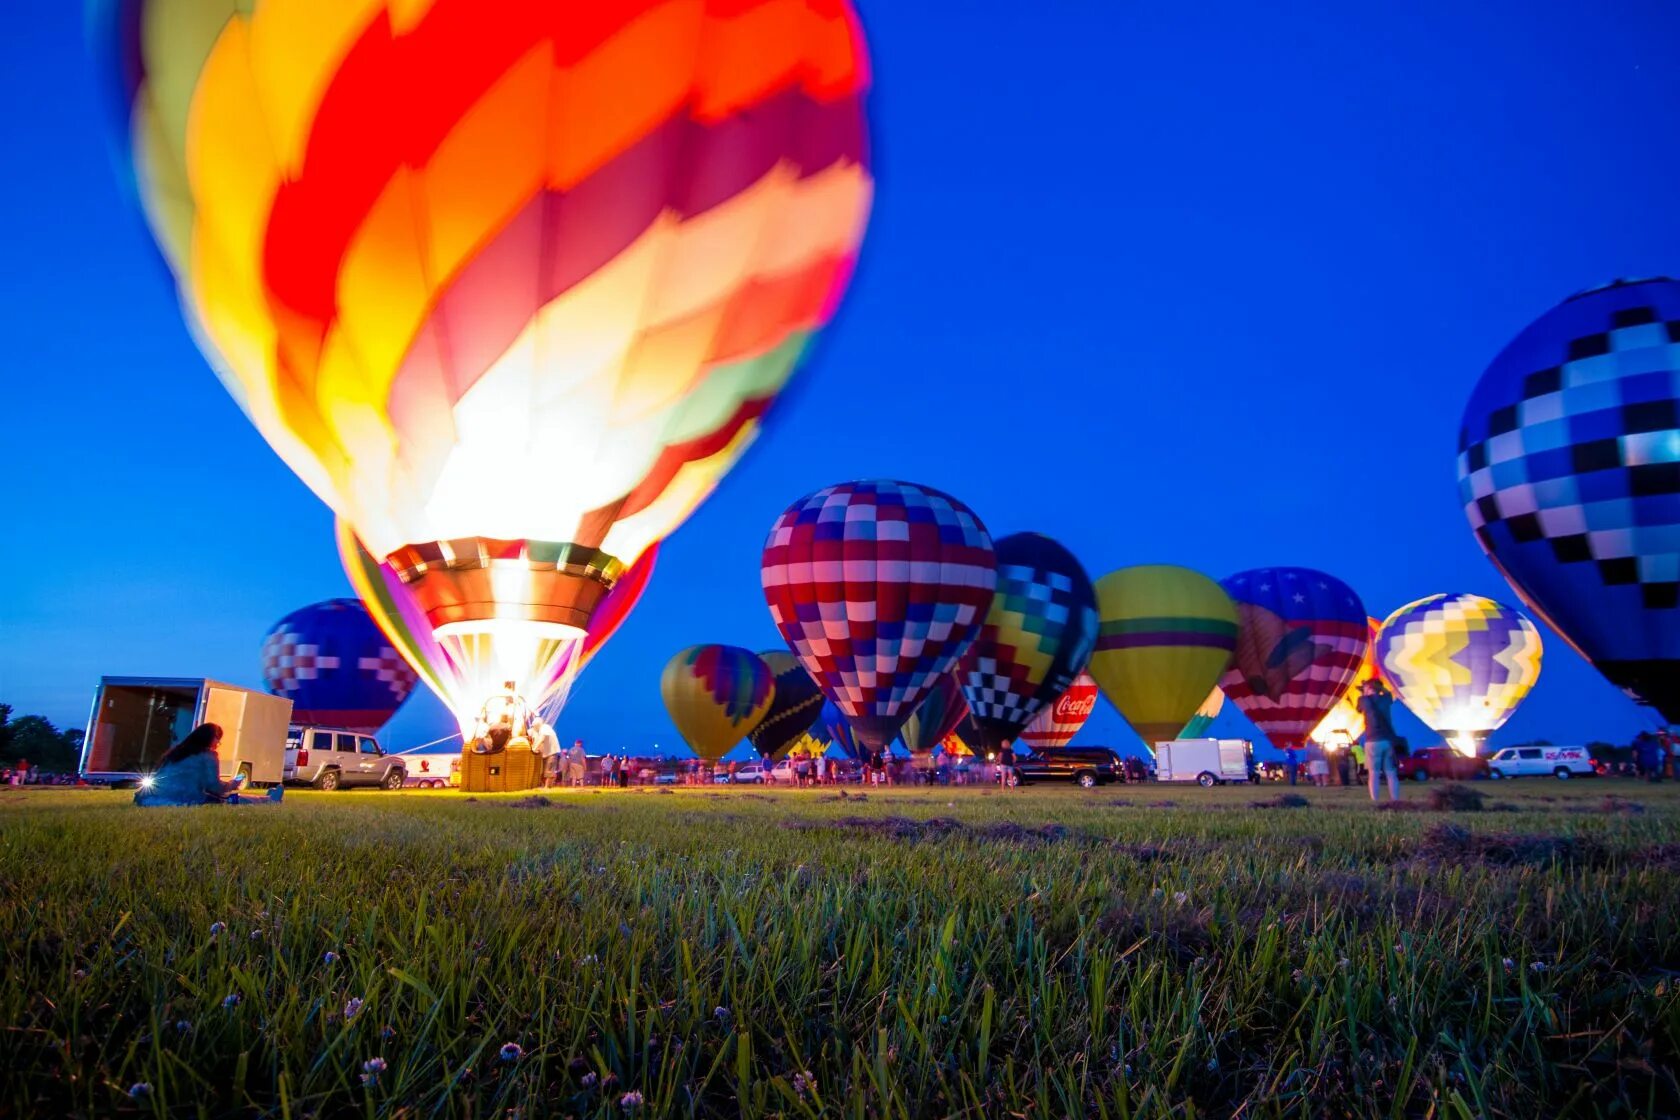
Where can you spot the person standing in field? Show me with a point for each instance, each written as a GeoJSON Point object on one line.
{"type": "Point", "coordinates": [1376, 704]}
{"type": "Point", "coordinates": [1006, 766]}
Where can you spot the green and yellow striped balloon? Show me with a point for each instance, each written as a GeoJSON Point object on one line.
{"type": "Point", "coordinates": [1165, 637]}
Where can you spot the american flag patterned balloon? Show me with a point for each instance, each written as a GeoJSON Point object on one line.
{"type": "Point", "coordinates": [1037, 637]}
{"type": "Point", "coordinates": [336, 667]}
{"type": "Point", "coordinates": [878, 588]}
{"type": "Point", "coordinates": [1301, 637]}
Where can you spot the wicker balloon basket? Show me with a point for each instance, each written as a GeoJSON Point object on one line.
{"type": "Point", "coordinates": [505, 771]}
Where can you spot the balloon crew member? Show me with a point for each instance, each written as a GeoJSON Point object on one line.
{"type": "Point", "coordinates": [1006, 765]}
{"type": "Point", "coordinates": [504, 717]}
{"type": "Point", "coordinates": [1376, 704]}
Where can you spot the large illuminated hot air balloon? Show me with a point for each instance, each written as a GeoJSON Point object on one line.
{"type": "Point", "coordinates": [878, 588]}
{"type": "Point", "coordinates": [1461, 663]}
{"type": "Point", "coordinates": [1057, 723]}
{"type": "Point", "coordinates": [716, 696]}
{"type": "Point", "coordinates": [1037, 636]}
{"type": "Point", "coordinates": [335, 666]}
{"type": "Point", "coordinates": [1165, 636]}
{"type": "Point", "coordinates": [1301, 637]}
{"type": "Point", "coordinates": [1205, 715]}
{"type": "Point", "coordinates": [1569, 469]}
{"type": "Point", "coordinates": [381, 591]}
{"type": "Point", "coordinates": [796, 705]}
{"type": "Point", "coordinates": [937, 717]}
{"type": "Point", "coordinates": [509, 286]}
{"type": "Point", "coordinates": [1344, 724]}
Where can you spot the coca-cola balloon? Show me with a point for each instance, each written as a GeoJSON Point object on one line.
{"type": "Point", "coordinates": [1057, 724]}
{"type": "Point", "coordinates": [878, 588]}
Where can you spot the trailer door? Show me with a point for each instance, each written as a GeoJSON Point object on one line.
{"type": "Point", "coordinates": [225, 707]}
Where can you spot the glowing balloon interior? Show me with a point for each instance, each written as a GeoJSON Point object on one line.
{"type": "Point", "coordinates": [1344, 724]}
{"type": "Point", "coordinates": [462, 675]}
{"type": "Point", "coordinates": [509, 286]}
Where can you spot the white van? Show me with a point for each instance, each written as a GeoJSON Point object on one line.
{"type": "Point", "coordinates": [1527, 762]}
{"type": "Point", "coordinates": [1209, 762]}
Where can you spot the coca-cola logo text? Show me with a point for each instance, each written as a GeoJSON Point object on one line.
{"type": "Point", "coordinates": [1071, 707]}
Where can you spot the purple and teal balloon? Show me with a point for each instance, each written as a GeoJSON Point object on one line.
{"type": "Point", "coordinates": [1569, 470]}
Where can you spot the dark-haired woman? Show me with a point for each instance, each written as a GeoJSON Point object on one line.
{"type": "Point", "coordinates": [191, 774]}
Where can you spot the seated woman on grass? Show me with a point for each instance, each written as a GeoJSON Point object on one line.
{"type": "Point", "coordinates": [191, 774]}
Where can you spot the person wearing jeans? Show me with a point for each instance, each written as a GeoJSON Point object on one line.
{"type": "Point", "coordinates": [1376, 704]}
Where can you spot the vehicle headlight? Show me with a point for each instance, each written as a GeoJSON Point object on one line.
{"type": "Point", "coordinates": [148, 782]}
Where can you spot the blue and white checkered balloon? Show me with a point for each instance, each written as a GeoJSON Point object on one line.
{"type": "Point", "coordinates": [1569, 470]}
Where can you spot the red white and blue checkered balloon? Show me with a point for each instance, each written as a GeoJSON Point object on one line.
{"type": "Point", "coordinates": [878, 588]}
{"type": "Point", "coordinates": [336, 666]}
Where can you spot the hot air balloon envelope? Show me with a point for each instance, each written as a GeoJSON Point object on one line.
{"type": "Point", "coordinates": [1166, 634]}
{"type": "Point", "coordinates": [1569, 470]}
{"type": "Point", "coordinates": [1036, 638]}
{"type": "Point", "coordinates": [331, 661]}
{"type": "Point", "coordinates": [509, 286]}
{"type": "Point", "coordinates": [878, 588]}
{"type": "Point", "coordinates": [1301, 637]}
{"type": "Point", "coordinates": [1461, 663]}
{"type": "Point", "coordinates": [716, 695]}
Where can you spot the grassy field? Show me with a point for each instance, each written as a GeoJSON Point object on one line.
{"type": "Point", "coordinates": [1134, 951]}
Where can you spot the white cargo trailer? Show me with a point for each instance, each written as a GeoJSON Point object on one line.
{"type": "Point", "coordinates": [1209, 762]}
{"type": "Point", "coordinates": [136, 719]}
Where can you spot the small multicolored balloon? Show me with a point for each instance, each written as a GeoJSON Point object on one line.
{"type": "Point", "coordinates": [1569, 470]}
{"type": "Point", "coordinates": [331, 661]}
{"type": "Point", "coordinates": [716, 696]}
{"type": "Point", "coordinates": [1057, 723]}
{"type": "Point", "coordinates": [940, 714]}
{"type": "Point", "coordinates": [1037, 636]}
{"type": "Point", "coordinates": [1301, 637]}
{"type": "Point", "coordinates": [878, 588]}
{"type": "Point", "coordinates": [1461, 663]}
{"type": "Point", "coordinates": [1166, 635]}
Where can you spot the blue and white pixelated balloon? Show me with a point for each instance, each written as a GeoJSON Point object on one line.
{"type": "Point", "coordinates": [336, 666]}
{"type": "Point", "coordinates": [1569, 470]}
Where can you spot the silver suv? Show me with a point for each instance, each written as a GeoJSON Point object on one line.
{"type": "Point", "coordinates": [327, 758]}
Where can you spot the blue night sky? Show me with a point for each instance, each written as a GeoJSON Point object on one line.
{"type": "Point", "coordinates": [1203, 284]}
